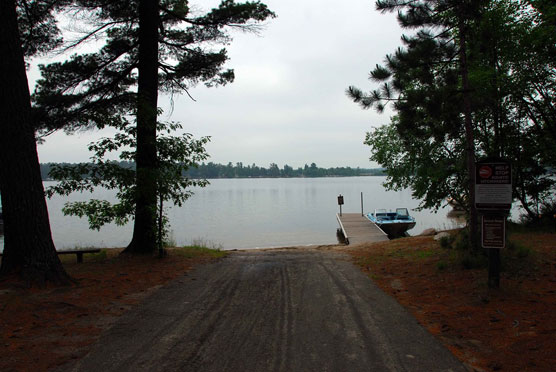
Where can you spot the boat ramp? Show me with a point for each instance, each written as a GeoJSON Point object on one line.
{"type": "Point", "coordinates": [359, 229]}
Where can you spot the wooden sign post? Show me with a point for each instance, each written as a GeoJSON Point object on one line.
{"type": "Point", "coordinates": [340, 203]}
{"type": "Point", "coordinates": [493, 199]}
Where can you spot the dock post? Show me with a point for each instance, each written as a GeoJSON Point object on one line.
{"type": "Point", "coordinates": [362, 214]}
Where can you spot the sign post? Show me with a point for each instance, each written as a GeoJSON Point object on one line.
{"type": "Point", "coordinates": [493, 199]}
{"type": "Point", "coordinates": [340, 203]}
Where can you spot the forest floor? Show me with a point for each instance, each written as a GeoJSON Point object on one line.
{"type": "Point", "coordinates": [508, 329]}
{"type": "Point", "coordinates": [42, 329]}
{"type": "Point", "coordinates": [512, 328]}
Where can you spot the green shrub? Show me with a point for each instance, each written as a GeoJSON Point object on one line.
{"type": "Point", "coordinates": [99, 256]}
{"type": "Point", "coordinates": [518, 250]}
{"type": "Point", "coordinates": [201, 247]}
{"type": "Point", "coordinates": [461, 240]}
{"type": "Point", "coordinates": [518, 259]}
{"type": "Point", "coordinates": [445, 242]}
{"type": "Point", "coordinates": [544, 221]}
{"type": "Point", "coordinates": [169, 240]}
{"type": "Point", "coordinates": [202, 243]}
{"type": "Point", "coordinates": [441, 266]}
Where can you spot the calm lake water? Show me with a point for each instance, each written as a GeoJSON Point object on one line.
{"type": "Point", "coordinates": [251, 213]}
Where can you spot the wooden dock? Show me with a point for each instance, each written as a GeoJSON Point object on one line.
{"type": "Point", "coordinates": [359, 229]}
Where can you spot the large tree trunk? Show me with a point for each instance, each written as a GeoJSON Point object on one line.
{"type": "Point", "coordinates": [28, 246]}
{"type": "Point", "coordinates": [144, 230]}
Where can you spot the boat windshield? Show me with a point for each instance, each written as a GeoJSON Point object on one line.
{"type": "Point", "coordinates": [402, 211]}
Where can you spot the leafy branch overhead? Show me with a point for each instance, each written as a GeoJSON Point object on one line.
{"type": "Point", "coordinates": [177, 154]}
{"type": "Point", "coordinates": [502, 106]}
{"type": "Point", "coordinates": [153, 45]}
{"type": "Point", "coordinates": [95, 89]}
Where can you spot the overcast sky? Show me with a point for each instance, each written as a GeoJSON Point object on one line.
{"type": "Point", "coordinates": [287, 104]}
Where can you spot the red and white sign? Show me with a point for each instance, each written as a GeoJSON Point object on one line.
{"type": "Point", "coordinates": [485, 171]}
{"type": "Point", "coordinates": [493, 185]}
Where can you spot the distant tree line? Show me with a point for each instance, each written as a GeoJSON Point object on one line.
{"type": "Point", "coordinates": [239, 170]}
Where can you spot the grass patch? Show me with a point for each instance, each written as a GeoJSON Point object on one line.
{"type": "Point", "coordinates": [441, 266]}
{"type": "Point", "coordinates": [193, 251]}
{"type": "Point", "coordinates": [87, 257]}
{"type": "Point", "coordinates": [200, 242]}
{"type": "Point", "coordinates": [412, 254]}
{"type": "Point", "coordinates": [368, 261]}
{"type": "Point", "coordinates": [425, 254]}
{"type": "Point", "coordinates": [97, 257]}
{"type": "Point", "coordinates": [519, 258]}
{"type": "Point", "coordinates": [518, 250]}
{"type": "Point", "coordinates": [169, 240]}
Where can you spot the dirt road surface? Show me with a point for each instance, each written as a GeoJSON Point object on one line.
{"type": "Point", "coordinates": [273, 310]}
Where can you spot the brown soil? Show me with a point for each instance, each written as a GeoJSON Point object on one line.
{"type": "Point", "coordinates": [512, 328]}
{"type": "Point", "coordinates": [509, 329]}
{"type": "Point", "coordinates": [44, 328]}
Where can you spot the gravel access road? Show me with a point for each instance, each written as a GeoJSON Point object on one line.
{"type": "Point", "coordinates": [270, 310]}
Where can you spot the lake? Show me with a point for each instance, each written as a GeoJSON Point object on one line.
{"type": "Point", "coordinates": [251, 213]}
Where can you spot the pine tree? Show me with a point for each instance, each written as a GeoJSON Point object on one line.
{"type": "Point", "coordinates": [155, 46]}
{"type": "Point", "coordinates": [475, 76]}
{"type": "Point", "coordinates": [28, 247]}
{"type": "Point", "coordinates": [428, 81]}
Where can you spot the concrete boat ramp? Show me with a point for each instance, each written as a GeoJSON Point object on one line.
{"type": "Point", "coordinates": [359, 229]}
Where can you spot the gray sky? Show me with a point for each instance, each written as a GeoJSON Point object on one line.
{"type": "Point", "coordinates": [288, 103]}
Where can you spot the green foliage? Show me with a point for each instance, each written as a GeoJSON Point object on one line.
{"type": "Point", "coordinates": [511, 59]}
{"type": "Point", "coordinates": [99, 212]}
{"type": "Point", "coordinates": [176, 154]}
{"type": "Point", "coordinates": [169, 240]}
{"type": "Point", "coordinates": [423, 148]}
{"type": "Point", "coordinates": [96, 89]}
{"type": "Point", "coordinates": [441, 266]}
{"type": "Point", "coordinates": [544, 219]}
{"type": "Point", "coordinates": [517, 249]}
{"type": "Point", "coordinates": [446, 242]}
{"type": "Point", "coordinates": [153, 46]}
{"type": "Point", "coordinates": [37, 25]}
{"type": "Point", "coordinates": [100, 256]}
{"type": "Point", "coordinates": [200, 247]}
{"type": "Point", "coordinates": [433, 170]}
{"type": "Point", "coordinates": [199, 242]}
{"type": "Point", "coordinates": [425, 254]}
{"type": "Point", "coordinates": [519, 259]}
{"type": "Point", "coordinates": [460, 240]}
{"type": "Point", "coordinates": [523, 252]}
{"type": "Point", "coordinates": [460, 254]}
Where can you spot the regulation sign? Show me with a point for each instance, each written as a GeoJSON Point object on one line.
{"type": "Point", "coordinates": [493, 231]}
{"type": "Point", "coordinates": [493, 185]}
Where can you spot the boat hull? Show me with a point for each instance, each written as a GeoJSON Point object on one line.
{"type": "Point", "coordinates": [395, 229]}
{"type": "Point", "coordinates": [394, 224]}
